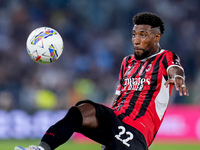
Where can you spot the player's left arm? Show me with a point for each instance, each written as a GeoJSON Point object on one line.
{"type": "Point", "coordinates": [177, 78]}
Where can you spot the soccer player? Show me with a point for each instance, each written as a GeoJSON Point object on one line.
{"type": "Point", "coordinates": [146, 79]}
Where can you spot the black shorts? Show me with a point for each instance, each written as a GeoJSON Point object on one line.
{"type": "Point", "coordinates": [112, 132]}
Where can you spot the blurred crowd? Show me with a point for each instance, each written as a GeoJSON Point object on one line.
{"type": "Point", "coordinates": [97, 35]}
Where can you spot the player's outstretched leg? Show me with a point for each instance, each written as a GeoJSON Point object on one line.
{"type": "Point", "coordinates": [60, 132]}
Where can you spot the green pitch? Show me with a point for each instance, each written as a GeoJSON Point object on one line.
{"type": "Point", "coordinates": [10, 144]}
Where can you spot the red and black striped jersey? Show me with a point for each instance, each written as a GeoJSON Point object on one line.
{"type": "Point", "coordinates": [142, 96]}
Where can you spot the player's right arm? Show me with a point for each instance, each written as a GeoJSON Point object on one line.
{"type": "Point", "coordinates": [120, 78]}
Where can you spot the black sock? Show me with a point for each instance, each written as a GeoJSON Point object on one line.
{"type": "Point", "coordinates": [60, 132]}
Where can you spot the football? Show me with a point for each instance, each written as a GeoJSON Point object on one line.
{"type": "Point", "coordinates": [44, 45]}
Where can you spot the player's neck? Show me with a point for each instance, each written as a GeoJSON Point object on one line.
{"type": "Point", "coordinates": [152, 55]}
{"type": "Point", "coordinates": [156, 51]}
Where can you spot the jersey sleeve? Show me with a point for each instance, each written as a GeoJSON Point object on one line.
{"type": "Point", "coordinates": [171, 59]}
{"type": "Point", "coordinates": [121, 74]}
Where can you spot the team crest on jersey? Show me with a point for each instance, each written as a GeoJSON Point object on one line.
{"type": "Point", "coordinates": [148, 68]}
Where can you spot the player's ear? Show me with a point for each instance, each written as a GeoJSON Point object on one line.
{"type": "Point", "coordinates": [157, 37]}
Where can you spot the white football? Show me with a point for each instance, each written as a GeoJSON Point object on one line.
{"type": "Point", "coordinates": [44, 45]}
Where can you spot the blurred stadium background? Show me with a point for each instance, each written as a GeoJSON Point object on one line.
{"type": "Point", "coordinates": [97, 35]}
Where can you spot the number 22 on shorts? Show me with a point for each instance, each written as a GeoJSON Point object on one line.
{"type": "Point", "coordinates": [122, 132]}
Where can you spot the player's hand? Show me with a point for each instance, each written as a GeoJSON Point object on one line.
{"type": "Point", "coordinates": [179, 85]}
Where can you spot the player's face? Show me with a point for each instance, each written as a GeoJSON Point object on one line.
{"type": "Point", "coordinates": [145, 41]}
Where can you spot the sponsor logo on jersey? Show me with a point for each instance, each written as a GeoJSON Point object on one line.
{"type": "Point", "coordinates": [135, 83]}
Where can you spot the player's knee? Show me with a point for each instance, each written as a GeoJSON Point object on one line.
{"type": "Point", "coordinates": [74, 116]}
{"type": "Point", "coordinates": [88, 112]}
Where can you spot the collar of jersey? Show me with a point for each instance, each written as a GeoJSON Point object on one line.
{"type": "Point", "coordinates": [143, 60]}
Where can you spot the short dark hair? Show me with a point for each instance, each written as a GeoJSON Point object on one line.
{"type": "Point", "coordinates": [147, 18]}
